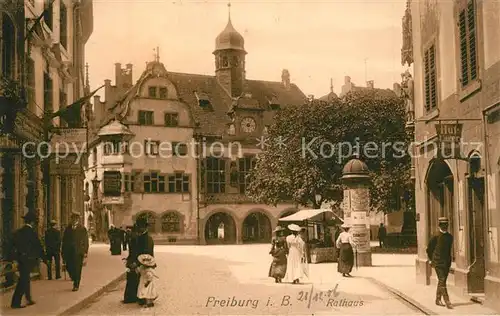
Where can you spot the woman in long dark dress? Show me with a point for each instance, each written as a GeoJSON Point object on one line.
{"type": "Point", "coordinates": [346, 254]}
{"type": "Point", "coordinates": [277, 270]}
{"type": "Point", "coordinates": [140, 243]}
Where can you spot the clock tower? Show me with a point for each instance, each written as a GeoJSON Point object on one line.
{"type": "Point", "coordinates": [230, 59]}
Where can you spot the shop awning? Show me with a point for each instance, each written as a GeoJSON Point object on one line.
{"type": "Point", "coordinates": [303, 215]}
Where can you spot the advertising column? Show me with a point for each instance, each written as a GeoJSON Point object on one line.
{"type": "Point", "coordinates": [357, 207]}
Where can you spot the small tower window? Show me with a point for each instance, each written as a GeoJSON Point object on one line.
{"type": "Point", "coordinates": [225, 61]}
{"type": "Point", "coordinates": [235, 61]}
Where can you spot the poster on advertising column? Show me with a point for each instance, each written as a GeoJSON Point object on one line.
{"type": "Point", "coordinates": [360, 233]}
{"type": "Point", "coordinates": [360, 199]}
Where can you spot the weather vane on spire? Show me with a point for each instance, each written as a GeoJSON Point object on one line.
{"type": "Point", "coordinates": [156, 53]}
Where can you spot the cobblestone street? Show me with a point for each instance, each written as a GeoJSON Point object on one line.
{"type": "Point", "coordinates": [213, 279]}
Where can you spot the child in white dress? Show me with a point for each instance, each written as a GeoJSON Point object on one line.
{"type": "Point", "coordinates": [147, 286]}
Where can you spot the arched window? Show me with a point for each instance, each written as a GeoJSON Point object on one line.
{"type": "Point", "coordinates": [225, 62]}
{"type": "Point", "coordinates": [171, 223]}
{"type": "Point", "coordinates": [151, 219]}
{"type": "Point", "coordinates": [8, 47]}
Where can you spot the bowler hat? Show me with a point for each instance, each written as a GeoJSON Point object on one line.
{"type": "Point", "coordinates": [30, 217]}
{"type": "Point", "coordinates": [443, 220]}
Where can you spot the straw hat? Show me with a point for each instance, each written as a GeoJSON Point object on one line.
{"type": "Point", "coordinates": [345, 226]}
{"type": "Point", "coordinates": [53, 223]}
{"type": "Point", "coordinates": [147, 260]}
{"type": "Point", "coordinates": [443, 220]}
{"type": "Point", "coordinates": [278, 229]}
{"type": "Point", "coordinates": [294, 227]}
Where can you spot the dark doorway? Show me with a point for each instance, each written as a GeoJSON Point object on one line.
{"type": "Point", "coordinates": [440, 197]}
{"type": "Point", "coordinates": [220, 229]}
{"type": "Point", "coordinates": [257, 228]}
{"type": "Point", "coordinates": [476, 196]}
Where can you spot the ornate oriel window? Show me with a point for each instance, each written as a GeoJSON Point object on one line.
{"type": "Point", "coordinates": [171, 223]}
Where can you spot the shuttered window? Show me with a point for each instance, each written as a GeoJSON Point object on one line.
{"type": "Point", "coordinates": [430, 78]}
{"type": "Point", "coordinates": [467, 34]}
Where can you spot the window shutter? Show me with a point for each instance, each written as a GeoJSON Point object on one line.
{"type": "Point", "coordinates": [472, 39]}
{"type": "Point", "coordinates": [427, 81]}
{"type": "Point", "coordinates": [433, 75]}
{"type": "Point", "coordinates": [462, 25]}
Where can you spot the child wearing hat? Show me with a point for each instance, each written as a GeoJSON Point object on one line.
{"type": "Point", "coordinates": [147, 288]}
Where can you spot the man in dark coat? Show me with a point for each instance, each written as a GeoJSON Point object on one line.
{"type": "Point", "coordinates": [75, 248]}
{"type": "Point", "coordinates": [439, 253]}
{"type": "Point", "coordinates": [53, 249]}
{"type": "Point", "coordinates": [27, 250]}
{"type": "Point", "coordinates": [382, 234]}
{"type": "Point", "coordinates": [140, 243]}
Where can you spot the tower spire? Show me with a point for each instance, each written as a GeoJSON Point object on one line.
{"type": "Point", "coordinates": [229, 10]}
{"type": "Point", "coordinates": [157, 53]}
{"type": "Point", "coordinates": [331, 85]}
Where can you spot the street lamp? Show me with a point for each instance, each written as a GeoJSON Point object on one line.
{"type": "Point", "coordinates": [95, 208]}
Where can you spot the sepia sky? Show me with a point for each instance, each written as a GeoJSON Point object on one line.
{"type": "Point", "coordinates": [314, 40]}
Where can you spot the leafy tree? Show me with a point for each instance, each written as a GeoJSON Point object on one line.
{"type": "Point", "coordinates": [309, 145]}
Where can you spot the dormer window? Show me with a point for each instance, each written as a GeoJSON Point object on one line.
{"type": "Point", "coordinates": [203, 100]}
{"type": "Point", "coordinates": [274, 103]}
{"type": "Point", "coordinates": [152, 92]}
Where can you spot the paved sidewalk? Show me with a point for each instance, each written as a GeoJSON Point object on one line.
{"type": "Point", "coordinates": [397, 273]}
{"type": "Point", "coordinates": [56, 298]}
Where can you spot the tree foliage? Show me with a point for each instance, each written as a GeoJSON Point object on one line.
{"type": "Point", "coordinates": [308, 146]}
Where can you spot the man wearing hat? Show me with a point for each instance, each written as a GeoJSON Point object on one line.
{"type": "Point", "coordinates": [27, 250]}
{"type": "Point", "coordinates": [53, 249]}
{"type": "Point", "coordinates": [439, 253]}
{"type": "Point", "coordinates": [140, 243]}
{"type": "Point", "coordinates": [75, 247]}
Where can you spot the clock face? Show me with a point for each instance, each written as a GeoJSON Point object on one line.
{"type": "Point", "coordinates": [248, 125]}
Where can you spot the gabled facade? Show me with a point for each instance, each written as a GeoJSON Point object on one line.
{"type": "Point", "coordinates": [190, 197]}
{"type": "Point", "coordinates": [454, 46]}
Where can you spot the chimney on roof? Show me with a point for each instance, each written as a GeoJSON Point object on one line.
{"type": "Point", "coordinates": [370, 84]}
{"type": "Point", "coordinates": [118, 72]}
{"type": "Point", "coordinates": [285, 78]}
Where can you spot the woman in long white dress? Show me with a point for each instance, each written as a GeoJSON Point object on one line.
{"type": "Point", "coordinates": [296, 254]}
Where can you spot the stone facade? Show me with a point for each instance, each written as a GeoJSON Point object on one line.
{"type": "Point", "coordinates": [47, 69]}
{"type": "Point", "coordinates": [466, 190]}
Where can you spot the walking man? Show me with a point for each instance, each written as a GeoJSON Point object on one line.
{"type": "Point", "coordinates": [440, 257]}
{"type": "Point", "coordinates": [53, 249]}
{"type": "Point", "coordinates": [27, 251]}
{"type": "Point", "coordinates": [75, 247]}
{"type": "Point", "coordinates": [382, 234]}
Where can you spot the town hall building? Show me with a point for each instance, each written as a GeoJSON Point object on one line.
{"type": "Point", "coordinates": [176, 149]}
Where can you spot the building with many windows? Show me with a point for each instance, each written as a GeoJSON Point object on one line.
{"type": "Point", "coordinates": [454, 48]}
{"type": "Point", "coordinates": [46, 69]}
{"type": "Point", "coordinates": [190, 142]}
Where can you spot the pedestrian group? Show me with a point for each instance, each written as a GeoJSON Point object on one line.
{"type": "Point", "coordinates": [27, 250]}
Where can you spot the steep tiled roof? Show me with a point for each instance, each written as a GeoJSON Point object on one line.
{"type": "Point", "coordinates": [213, 119]}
